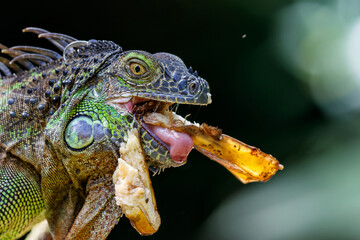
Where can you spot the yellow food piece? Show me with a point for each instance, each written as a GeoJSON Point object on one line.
{"type": "Point", "coordinates": [246, 163]}
{"type": "Point", "coordinates": [133, 189]}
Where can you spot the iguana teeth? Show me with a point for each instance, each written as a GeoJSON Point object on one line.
{"type": "Point", "coordinates": [209, 98]}
{"type": "Point", "coordinates": [120, 100]}
{"type": "Point", "coordinates": [125, 95]}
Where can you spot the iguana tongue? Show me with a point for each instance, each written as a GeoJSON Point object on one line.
{"type": "Point", "coordinates": [180, 144]}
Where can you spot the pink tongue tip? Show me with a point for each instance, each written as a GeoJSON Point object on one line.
{"type": "Point", "coordinates": [180, 146]}
{"type": "Point", "coordinates": [180, 143]}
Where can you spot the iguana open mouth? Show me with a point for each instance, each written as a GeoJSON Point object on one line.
{"type": "Point", "coordinates": [178, 144]}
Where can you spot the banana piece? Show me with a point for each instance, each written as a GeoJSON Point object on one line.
{"type": "Point", "coordinates": [246, 163]}
{"type": "Point", "coordinates": [133, 188]}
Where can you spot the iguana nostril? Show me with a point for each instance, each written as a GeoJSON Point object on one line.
{"type": "Point", "coordinates": [193, 87]}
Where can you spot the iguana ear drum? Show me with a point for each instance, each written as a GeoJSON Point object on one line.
{"type": "Point", "coordinates": [79, 133]}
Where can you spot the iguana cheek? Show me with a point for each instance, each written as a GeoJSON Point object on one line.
{"type": "Point", "coordinates": [79, 132]}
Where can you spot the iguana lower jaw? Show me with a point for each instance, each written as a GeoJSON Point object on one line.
{"type": "Point", "coordinates": [178, 144]}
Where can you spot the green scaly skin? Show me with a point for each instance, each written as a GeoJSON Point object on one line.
{"type": "Point", "coordinates": [61, 127]}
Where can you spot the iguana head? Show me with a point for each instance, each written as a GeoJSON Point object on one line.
{"type": "Point", "coordinates": [137, 82]}
{"type": "Point", "coordinates": [140, 76]}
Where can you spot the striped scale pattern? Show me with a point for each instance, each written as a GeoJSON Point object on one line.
{"type": "Point", "coordinates": [21, 203]}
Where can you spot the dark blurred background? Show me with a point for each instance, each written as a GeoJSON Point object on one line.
{"type": "Point", "coordinates": [284, 76]}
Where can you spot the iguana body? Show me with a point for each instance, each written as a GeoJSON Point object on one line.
{"type": "Point", "coordinates": [61, 125]}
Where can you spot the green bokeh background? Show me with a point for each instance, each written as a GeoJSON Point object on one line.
{"type": "Point", "coordinates": [283, 76]}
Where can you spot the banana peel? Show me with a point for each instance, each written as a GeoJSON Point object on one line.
{"type": "Point", "coordinates": [246, 163]}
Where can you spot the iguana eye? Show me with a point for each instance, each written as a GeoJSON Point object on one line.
{"type": "Point", "coordinates": [137, 69]}
{"type": "Point", "coordinates": [79, 132]}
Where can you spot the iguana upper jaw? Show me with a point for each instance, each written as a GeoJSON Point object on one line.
{"type": "Point", "coordinates": [128, 104]}
{"type": "Point", "coordinates": [125, 104]}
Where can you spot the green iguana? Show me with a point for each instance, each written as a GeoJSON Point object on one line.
{"type": "Point", "coordinates": [63, 118]}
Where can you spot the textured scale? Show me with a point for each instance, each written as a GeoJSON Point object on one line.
{"type": "Point", "coordinates": [60, 130]}
{"type": "Point", "coordinates": [23, 123]}
{"type": "Point", "coordinates": [20, 198]}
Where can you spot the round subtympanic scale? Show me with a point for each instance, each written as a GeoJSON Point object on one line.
{"type": "Point", "coordinates": [79, 132]}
